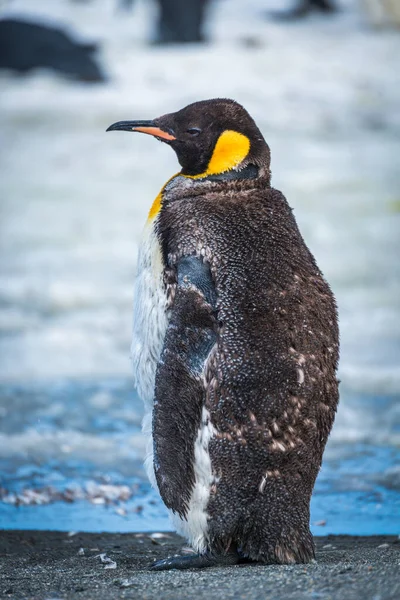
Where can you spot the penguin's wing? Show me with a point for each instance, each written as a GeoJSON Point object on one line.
{"type": "Point", "coordinates": [180, 386]}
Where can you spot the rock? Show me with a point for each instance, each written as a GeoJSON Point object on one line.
{"type": "Point", "coordinates": [107, 561]}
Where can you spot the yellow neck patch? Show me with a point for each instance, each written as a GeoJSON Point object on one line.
{"type": "Point", "coordinates": [156, 206]}
{"type": "Point", "coordinates": [231, 148]}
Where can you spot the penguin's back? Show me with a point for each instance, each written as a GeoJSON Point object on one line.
{"type": "Point", "coordinates": [268, 384]}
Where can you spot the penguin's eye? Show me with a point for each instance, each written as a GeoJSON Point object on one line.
{"type": "Point", "coordinates": [193, 131]}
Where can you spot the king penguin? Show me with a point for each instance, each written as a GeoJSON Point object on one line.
{"type": "Point", "coordinates": [235, 346]}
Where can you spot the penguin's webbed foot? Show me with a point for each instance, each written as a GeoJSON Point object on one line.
{"type": "Point", "coordinates": [196, 561]}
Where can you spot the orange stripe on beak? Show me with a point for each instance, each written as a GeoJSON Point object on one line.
{"type": "Point", "coordinates": [156, 131]}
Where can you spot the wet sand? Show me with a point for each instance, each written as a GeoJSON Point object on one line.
{"type": "Point", "coordinates": [53, 565]}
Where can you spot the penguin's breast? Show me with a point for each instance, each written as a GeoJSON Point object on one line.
{"type": "Point", "coordinates": [149, 312]}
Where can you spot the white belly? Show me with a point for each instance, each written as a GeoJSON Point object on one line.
{"type": "Point", "coordinates": [149, 326]}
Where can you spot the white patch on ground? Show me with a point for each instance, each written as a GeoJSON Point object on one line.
{"type": "Point", "coordinates": [195, 527]}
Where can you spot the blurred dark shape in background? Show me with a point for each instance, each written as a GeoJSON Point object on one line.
{"type": "Point", "coordinates": [126, 4]}
{"type": "Point", "coordinates": [302, 8]}
{"type": "Point", "coordinates": [179, 21]}
{"type": "Point", "coordinates": [25, 45]}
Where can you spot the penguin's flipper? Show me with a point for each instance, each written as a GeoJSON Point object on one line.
{"type": "Point", "coordinates": [192, 271]}
{"type": "Point", "coordinates": [196, 561]}
{"type": "Point", "coordinates": [179, 387]}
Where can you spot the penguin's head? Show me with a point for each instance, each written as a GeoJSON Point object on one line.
{"type": "Point", "coordinates": [209, 137]}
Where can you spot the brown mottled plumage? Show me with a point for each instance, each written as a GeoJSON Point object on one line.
{"type": "Point", "coordinates": [245, 384]}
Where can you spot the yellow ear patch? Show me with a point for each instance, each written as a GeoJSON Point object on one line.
{"type": "Point", "coordinates": [231, 148]}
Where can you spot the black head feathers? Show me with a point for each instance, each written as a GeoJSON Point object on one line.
{"type": "Point", "coordinates": [209, 137]}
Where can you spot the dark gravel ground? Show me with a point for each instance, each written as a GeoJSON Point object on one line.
{"type": "Point", "coordinates": [41, 565]}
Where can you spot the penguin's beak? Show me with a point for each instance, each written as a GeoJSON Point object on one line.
{"type": "Point", "coordinates": [149, 127]}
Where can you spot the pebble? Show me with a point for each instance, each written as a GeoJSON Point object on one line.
{"type": "Point", "coordinates": [126, 583]}
{"type": "Point", "coordinates": [121, 511]}
{"type": "Point", "coordinates": [107, 561]}
{"type": "Point", "coordinates": [157, 536]}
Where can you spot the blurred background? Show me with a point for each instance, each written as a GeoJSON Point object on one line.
{"type": "Point", "coordinates": [322, 80]}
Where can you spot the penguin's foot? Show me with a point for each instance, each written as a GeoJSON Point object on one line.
{"type": "Point", "coordinates": [196, 561]}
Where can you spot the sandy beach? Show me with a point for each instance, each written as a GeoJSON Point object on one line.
{"type": "Point", "coordinates": [39, 565]}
